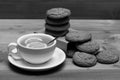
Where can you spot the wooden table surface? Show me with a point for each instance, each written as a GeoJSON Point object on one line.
{"type": "Point", "coordinates": [11, 29]}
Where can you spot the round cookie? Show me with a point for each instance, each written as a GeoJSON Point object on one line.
{"type": "Point", "coordinates": [56, 33]}
{"type": "Point", "coordinates": [107, 57]}
{"type": "Point", "coordinates": [84, 60]}
{"type": "Point", "coordinates": [91, 47]}
{"type": "Point", "coordinates": [56, 13]}
{"type": "Point", "coordinates": [78, 36]}
{"type": "Point", "coordinates": [57, 28]}
{"type": "Point", "coordinates": [57, 21]}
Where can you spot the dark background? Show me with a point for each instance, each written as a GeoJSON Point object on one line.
{"type": "Point", "coordinates": [81, 9]}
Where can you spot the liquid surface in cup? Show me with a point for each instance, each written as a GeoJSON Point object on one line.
{"type": "Point", "coordinates": [35, 43]}
{"type": "Point", "coordinates": [33, 39]}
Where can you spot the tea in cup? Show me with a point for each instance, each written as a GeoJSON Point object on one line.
{"type": "Point", "coordinates": [33, 48]}
{"type": "Point", "coordinates": [35, 43]}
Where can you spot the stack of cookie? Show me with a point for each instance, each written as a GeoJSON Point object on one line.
{"type": "Point", "coordinates": [57, 21]}
{"type": "Point", "coordinates": [86, 52]}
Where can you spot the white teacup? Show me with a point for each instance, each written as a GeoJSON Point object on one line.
{"type": "Point", "coordinates": [35, 54]}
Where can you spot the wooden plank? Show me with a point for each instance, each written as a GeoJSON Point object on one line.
{"type": "Point", "coordinates": [10, 30]}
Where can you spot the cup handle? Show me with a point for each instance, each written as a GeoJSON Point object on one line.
{"type": "Point", "coordinates": [13, 52]}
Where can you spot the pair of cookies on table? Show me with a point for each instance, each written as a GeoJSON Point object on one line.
{"type": "Point", "coordinates": [87, 59]}
{"type": "Point", "coordinates": [57, 21]}
{"type": "Point", "coordinates": [85, 51]}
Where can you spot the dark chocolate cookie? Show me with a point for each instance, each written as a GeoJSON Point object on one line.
{"type": "Point", "coordinates": [71, 49]}
{"type": "Point", "coordinates": [56, 33]}
{"type": "Point", "coordinates": [57, 22]}
{"type": "Point", "coordinates": [84, 60]}
{"type": "Point", "coordinates": [57, 28]}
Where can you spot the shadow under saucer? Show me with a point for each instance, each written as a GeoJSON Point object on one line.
{"type": "Point", "coordinates": [37, 72]}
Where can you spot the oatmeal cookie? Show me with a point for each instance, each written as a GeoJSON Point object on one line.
{"type": "Point", "coordinates": [107, 57]}
{"type": "Point", "coordinates": [91, 47]}
{"type": "Point", "coordinates": [57, 13]}
{"type": "Point", "coordinates": [78, 36]}
{"type": "Point", "coordinates": [84, 60]}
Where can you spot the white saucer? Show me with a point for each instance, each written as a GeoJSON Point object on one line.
{"type": "Point", "coordinates": [58, 58]}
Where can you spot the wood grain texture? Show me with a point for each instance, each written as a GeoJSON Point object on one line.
{"type": "Point", "coordinates": [10, 30]}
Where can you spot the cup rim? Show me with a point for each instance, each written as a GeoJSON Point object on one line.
{"type": "Point", "coordinates": [30, 34]}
